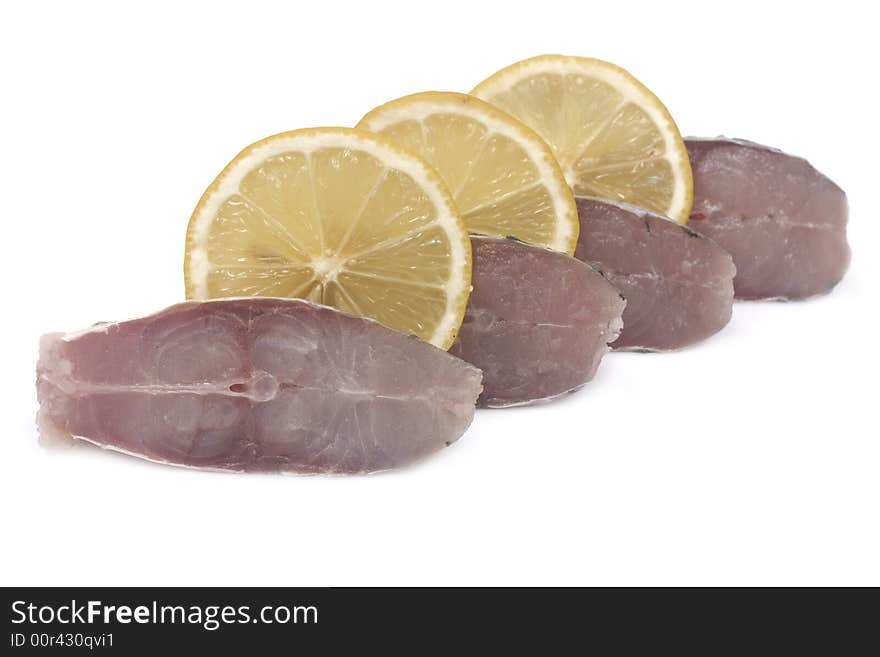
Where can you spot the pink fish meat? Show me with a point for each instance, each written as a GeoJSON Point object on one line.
{"type": "Point", "coordinates": [783, 222]}
{"type": "Point", "coordinates": [678, 285]}
{"type": "Point", "coordinates": [537, 323]}
{"type": "Point", "coordinates": [255, 385]}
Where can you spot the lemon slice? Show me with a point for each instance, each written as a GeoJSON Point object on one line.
{"type": "Point", "coordinates": [340, 217]}
{"type": "Point", "coordinates": [612, 136]}
{"type": "Point", "coordinates": [504, 178]}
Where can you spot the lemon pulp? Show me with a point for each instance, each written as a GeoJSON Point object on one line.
{"type": "Point", "coordinates": [342, 218]}
{"type": "Point", "coordinates": [504, 178]}
{"type": "Point", "coordinates": [611, 135]}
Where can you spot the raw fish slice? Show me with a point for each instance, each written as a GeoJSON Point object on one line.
{"type": "Point", "coordinates": [678, 284]}
{"type": "Point", "coordinates": [537, 322]}
{"type": "Point", "coordinates": [783, 222]}
{"type": "Point", "coordinates": [255, 384]}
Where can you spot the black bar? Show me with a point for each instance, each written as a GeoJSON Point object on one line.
{"type": "Point", "coordinates": [331, 621]}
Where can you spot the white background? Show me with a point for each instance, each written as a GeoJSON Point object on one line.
{"type": "Point", "coordinates": [750, 459]}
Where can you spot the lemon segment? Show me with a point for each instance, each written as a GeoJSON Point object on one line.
{"type": "Point", "coordinates": [340, 217]}
{"type": "Point", "coordinates": [503, 177]}
{"type": "Point", "coordinates": [611, 135]}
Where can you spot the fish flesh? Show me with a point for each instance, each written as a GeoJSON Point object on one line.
{"type": "Point", "coordinates": [678, 284]}
{"type": "Point", "coordinates": [783, 222]}
{"type": "Point", "coordinates": [255, 384]}
{"type": "Point", "coordinates": [537, 323]}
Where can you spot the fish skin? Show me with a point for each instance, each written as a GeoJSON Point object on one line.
{"type": "Point", "coordinates": [255, 385]}
{"type": "Point", "coordinates": [783, 222]}
{"type": "Point", "coordinates": [678, 284]}
{"type": "Point", "coordinates": [537, 323]}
